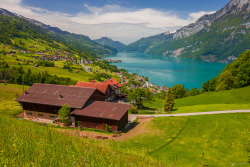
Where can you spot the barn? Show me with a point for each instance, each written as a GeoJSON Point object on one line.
{"type": "Point", "coordinates": [98, 113]}
{"type": "Point", "coordinates": [88, 106]}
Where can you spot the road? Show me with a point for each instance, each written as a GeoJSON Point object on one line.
{"type": "Point", "coordinates": [86, 67]}
{"type": "Point", "coordinates": [132, 117]}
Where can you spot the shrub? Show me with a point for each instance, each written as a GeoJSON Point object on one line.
{"type": "Point", "coordinates": [133, 110]}
{"type": "Point", "coordinates": [108, 128]}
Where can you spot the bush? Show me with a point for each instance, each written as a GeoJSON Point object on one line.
{"type": "Point", "coordinates": [108, 128]}
{"type": "Point", "coordinates": [133, 110]}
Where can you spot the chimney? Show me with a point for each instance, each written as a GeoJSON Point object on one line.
{"type": "Point", "coordinates": [93, 81]}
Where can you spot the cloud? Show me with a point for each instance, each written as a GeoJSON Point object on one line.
{"type": "Point", "coordinates": [115, 21]}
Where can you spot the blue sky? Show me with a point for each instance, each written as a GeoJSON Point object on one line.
{"type": "Point", "coordinates": [125, 21]}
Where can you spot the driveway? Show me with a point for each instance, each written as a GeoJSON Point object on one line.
{"type": "Point", "coordinates": [132, 117]}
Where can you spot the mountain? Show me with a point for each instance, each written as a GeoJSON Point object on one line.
{"type": "Point", "coordinates": [77, 41]}
{"type": "Point", "coordinates": [109, 42]}
{"type": "Point", "coordinates": [221, 36]}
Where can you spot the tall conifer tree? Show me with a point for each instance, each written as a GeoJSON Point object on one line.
{"type": "Point", "coordinates": [168, 103]}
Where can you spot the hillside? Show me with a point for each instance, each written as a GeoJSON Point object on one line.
{"type": "Point", "coordinates": [109, 42]}
{"type": "Point", "coordinates": [76, 41]}
{"type": "Point", "coordinates": [209, 101]}
{"type": "Point", "coordinates": [221, 36]}
{"type": "Point", "coordinates": [173, 141]}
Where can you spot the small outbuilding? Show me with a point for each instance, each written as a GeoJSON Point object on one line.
{"type": "Point", "coordinates": [99, 113]}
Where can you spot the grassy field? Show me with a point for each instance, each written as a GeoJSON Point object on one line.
{"type": "Point", "coordinates": [175, 141]}
{"type": "Point", "coordinates": [25, 143]}
{"type": "Point", "coordinates": [181, 141]}
{"type": "Point", "coordinates": [209, 101]}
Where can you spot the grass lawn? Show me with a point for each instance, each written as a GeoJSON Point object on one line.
{"type": "Point", "coordinates": [7, 95]}
{"type": "Point", "coordinates": [209, 101]}
{"type": "Point", "coordinates": [181, 141]}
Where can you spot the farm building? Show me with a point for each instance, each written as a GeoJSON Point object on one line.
{"type": "Point", "coordinates": [98, 113]}
{"type": "Point", "coordinates": [43, 101]}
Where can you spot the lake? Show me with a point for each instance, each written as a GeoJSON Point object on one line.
{"type": "Point", "coordinates": [169, 71]}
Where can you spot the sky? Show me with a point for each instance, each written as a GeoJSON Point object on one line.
{"type": "Point", "coordinates": [125, 21]}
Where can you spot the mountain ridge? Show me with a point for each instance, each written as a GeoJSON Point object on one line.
{"type": "Point", "coordinates": [210, 38]}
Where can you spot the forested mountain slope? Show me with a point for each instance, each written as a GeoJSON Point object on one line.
{"type": "Point", "coordinates": [221, 36]}
{"type": "Point", "coordinates": [79, 42]}
{"type": "Point", "coordinates": [109, 42]}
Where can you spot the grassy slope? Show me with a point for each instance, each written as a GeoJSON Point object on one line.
{"type": "Point", "coordinates": [222, 138]}
{"type": "Point", "coordinates": [210, 101]}
{"type": "Point", "coordinates": [180, 140]}
{"type": "Point", "coordinates": [24, 143]}
{"type": "Point", "coordinates": [81, 76]}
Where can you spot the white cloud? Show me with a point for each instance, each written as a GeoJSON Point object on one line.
{"type": "Point", "coordinates": [119, 23]}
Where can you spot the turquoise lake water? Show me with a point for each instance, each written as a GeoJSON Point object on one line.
{"type": "Point", "coordinates": [168, 71]}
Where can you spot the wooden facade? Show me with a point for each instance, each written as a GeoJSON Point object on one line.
{"type": "Point", "coordinates": [98, 123]}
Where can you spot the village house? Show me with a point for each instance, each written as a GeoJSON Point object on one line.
{"type": "Point", "coordinates": [115, 85]}
{"type": "Point", "coordinates": [88, 106]}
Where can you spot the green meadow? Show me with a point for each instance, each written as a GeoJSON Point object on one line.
{"type": "Point", "coordinates": [211, 140]}
{"type": "Point", "coordinates": [209, 101]}
{"type": "Point", "coordinates": [25, 143]}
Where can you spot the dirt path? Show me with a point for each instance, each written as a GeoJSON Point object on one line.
{"type": "Point", "coordinates": [38, 68]}
{"type": "Point", "coordinates": [189, 114]}
{"type": "Point", "coordinates": [139, 128]}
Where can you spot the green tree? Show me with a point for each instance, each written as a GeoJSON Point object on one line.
{"type": "Point", "coordinates": [212, 84]}
{"type": "Point", "coordinates": [178, 91]}
{"type": "Point", "coordinates": [124, 89]}
{"type": "Point", "coordinates": [194, 92]}
{"type": "Point", "coordinates": [169, 102]}
{"type": "Point", "coordinates": [225, 81]}
{"type": "Point", "coordinates": [205, 86]}
{"type": "Point", "coordinates": [63, 113]}
{"type": "Point", "coordinates": [140, 95]}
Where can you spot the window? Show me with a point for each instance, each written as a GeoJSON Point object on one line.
{"type": "Point", "coordinates": [51, 116]}
{"type": "Point", "coordinates": [29, 113]}
{"type": "Point", "coordinates": [40, 115]}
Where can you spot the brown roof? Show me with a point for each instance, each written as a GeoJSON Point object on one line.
{"type": "Point", "coordinates": [57, 95]}
{"type": "Point", "coordinates": [100, 109]}
{"type": "Point", "coordinates": [100, 86]}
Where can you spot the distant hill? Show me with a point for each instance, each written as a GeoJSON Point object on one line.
{"type": "Point", "coordinates": [77, 41]}
{"type": "Point", "coordinates": [109, 42]}
{"type": "Point", "coordinates": [221, 36]}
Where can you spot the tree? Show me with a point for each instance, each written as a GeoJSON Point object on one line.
{"type": "Point", "coordinates": [225, 81]}
{"type": "Point", "coordinates": [194, 92]}
{"type": "Point", "coordinates": [205, 86]}
{"type": "Point", "coordinates": [212, 84]}
{"type": "Point", "coordinates": [124, 89]}
{"type": "Point", "coordinates": [178, 91]}
{"type": "Point", "coordinates": [169, 102]}
{"type": "Point", "coordinates": [140, 95]}
{"type": "Point", "coordinates": [63, 113]}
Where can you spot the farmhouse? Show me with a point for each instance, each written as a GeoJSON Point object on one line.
{"type": "Point", "coordinates": [43, 101]}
